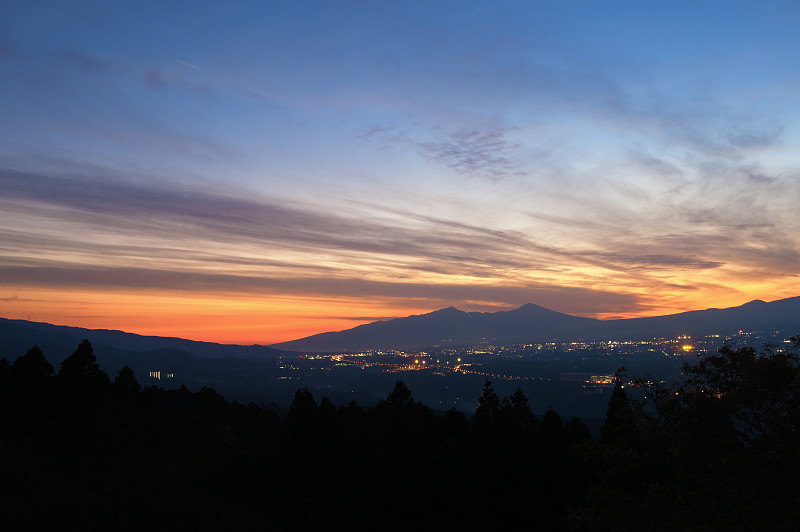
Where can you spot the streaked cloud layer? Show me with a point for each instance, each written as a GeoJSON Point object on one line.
{"type": "Point", "coordinates": [258, 173]}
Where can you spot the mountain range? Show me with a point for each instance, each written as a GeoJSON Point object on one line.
{"type": "Point", "coordinates": [532, 323]}
{"type": "Point", "coordinates": [58, 341]}
{"type": "Point", "coordinates": [528, 324]}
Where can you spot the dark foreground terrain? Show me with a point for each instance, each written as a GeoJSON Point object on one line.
{"type": "Point", "coordinates": [718, 452]}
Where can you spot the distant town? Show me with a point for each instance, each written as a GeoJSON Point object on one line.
{"type": "Point", "coordinates": [570, 375]}
{"type": "Point", "coordinates": [478, 359]}
{"type": "Point", "coordinates": [573, 373]}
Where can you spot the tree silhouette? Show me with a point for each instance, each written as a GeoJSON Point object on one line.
{"type": "Point", "coordinates": [725, 439]}
{"type": "Point", "coordinates": [303, 406]}
{"type": "Point", "coordinates": [488, 405]}
{"type": "Point", "coordinates": [81, 368]}
{"type": "Point", "coordinates": [620, 424]}
{"type": "Point", "coordinates": [576, 431]}
{"type": "Point", "coordinates": [552, 422]}
{"type": "Point", "coordinates": [31, 371]}
{"type": "Point", "coordinates": [126, 381]}
{"type": "Point", "coordinates": [108, 460]}
{"type": "Point", "coordinates": [5, 376]}
{"type": "Point", "coordinates": [756, 395]}
{"type": "Point", "coordinates": [515, 410]}
{"type": "Point", "coordinates": [400, 397]}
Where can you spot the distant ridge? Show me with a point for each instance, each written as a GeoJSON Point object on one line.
{"type": "Point", "coordinates": [445, 324]}
{"type": "Point", "coordinates": [448, 326]}
{"type": "Point", "coordinates": [17, 336]}
{"type": "Point", "coordinates": [533, 323]}
{"type": "Point", "coordinates": [244, 373]}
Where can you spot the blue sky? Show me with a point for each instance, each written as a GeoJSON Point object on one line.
{"type": "Point", "coordinates": [327, 163]}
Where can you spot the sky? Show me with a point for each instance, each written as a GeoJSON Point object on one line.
{"type": "Point", "coordinates": [259, 171]}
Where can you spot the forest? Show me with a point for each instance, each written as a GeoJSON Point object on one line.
{"type": "Point", "coordinates": [717, 451]}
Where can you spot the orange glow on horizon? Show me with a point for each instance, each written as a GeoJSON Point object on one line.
{"type": "Point", "coordinates": [209, 318]}
{"type": "Point", "coordinates": [254, 319]}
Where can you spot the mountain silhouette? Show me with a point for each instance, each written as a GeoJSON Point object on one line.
{"type": "Point", "coordinates": [533, 323]}
{"type": "Point", "coordinates": [783, 314]}
{"type": "Point", "coordinates": [16, 336]}
{"type": "Point", "coordinates": [448, 325]}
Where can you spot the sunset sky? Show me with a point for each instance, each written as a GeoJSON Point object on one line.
{"type": "Point", "coordinates": [258, 171]}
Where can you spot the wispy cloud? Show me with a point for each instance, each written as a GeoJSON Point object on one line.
{"type": "Point", "coordinates": [111, 232]}
{"type": "Point", "coordinates": [184, 63]}
{"type": "Point", "coordinates": [575, 300]}
{"type": "Point", "coordinates": [186, 214]}
{"type": "Point", "coordinates": [474, 153]}
{"type": "Point", "coordinates": [470, 152]}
